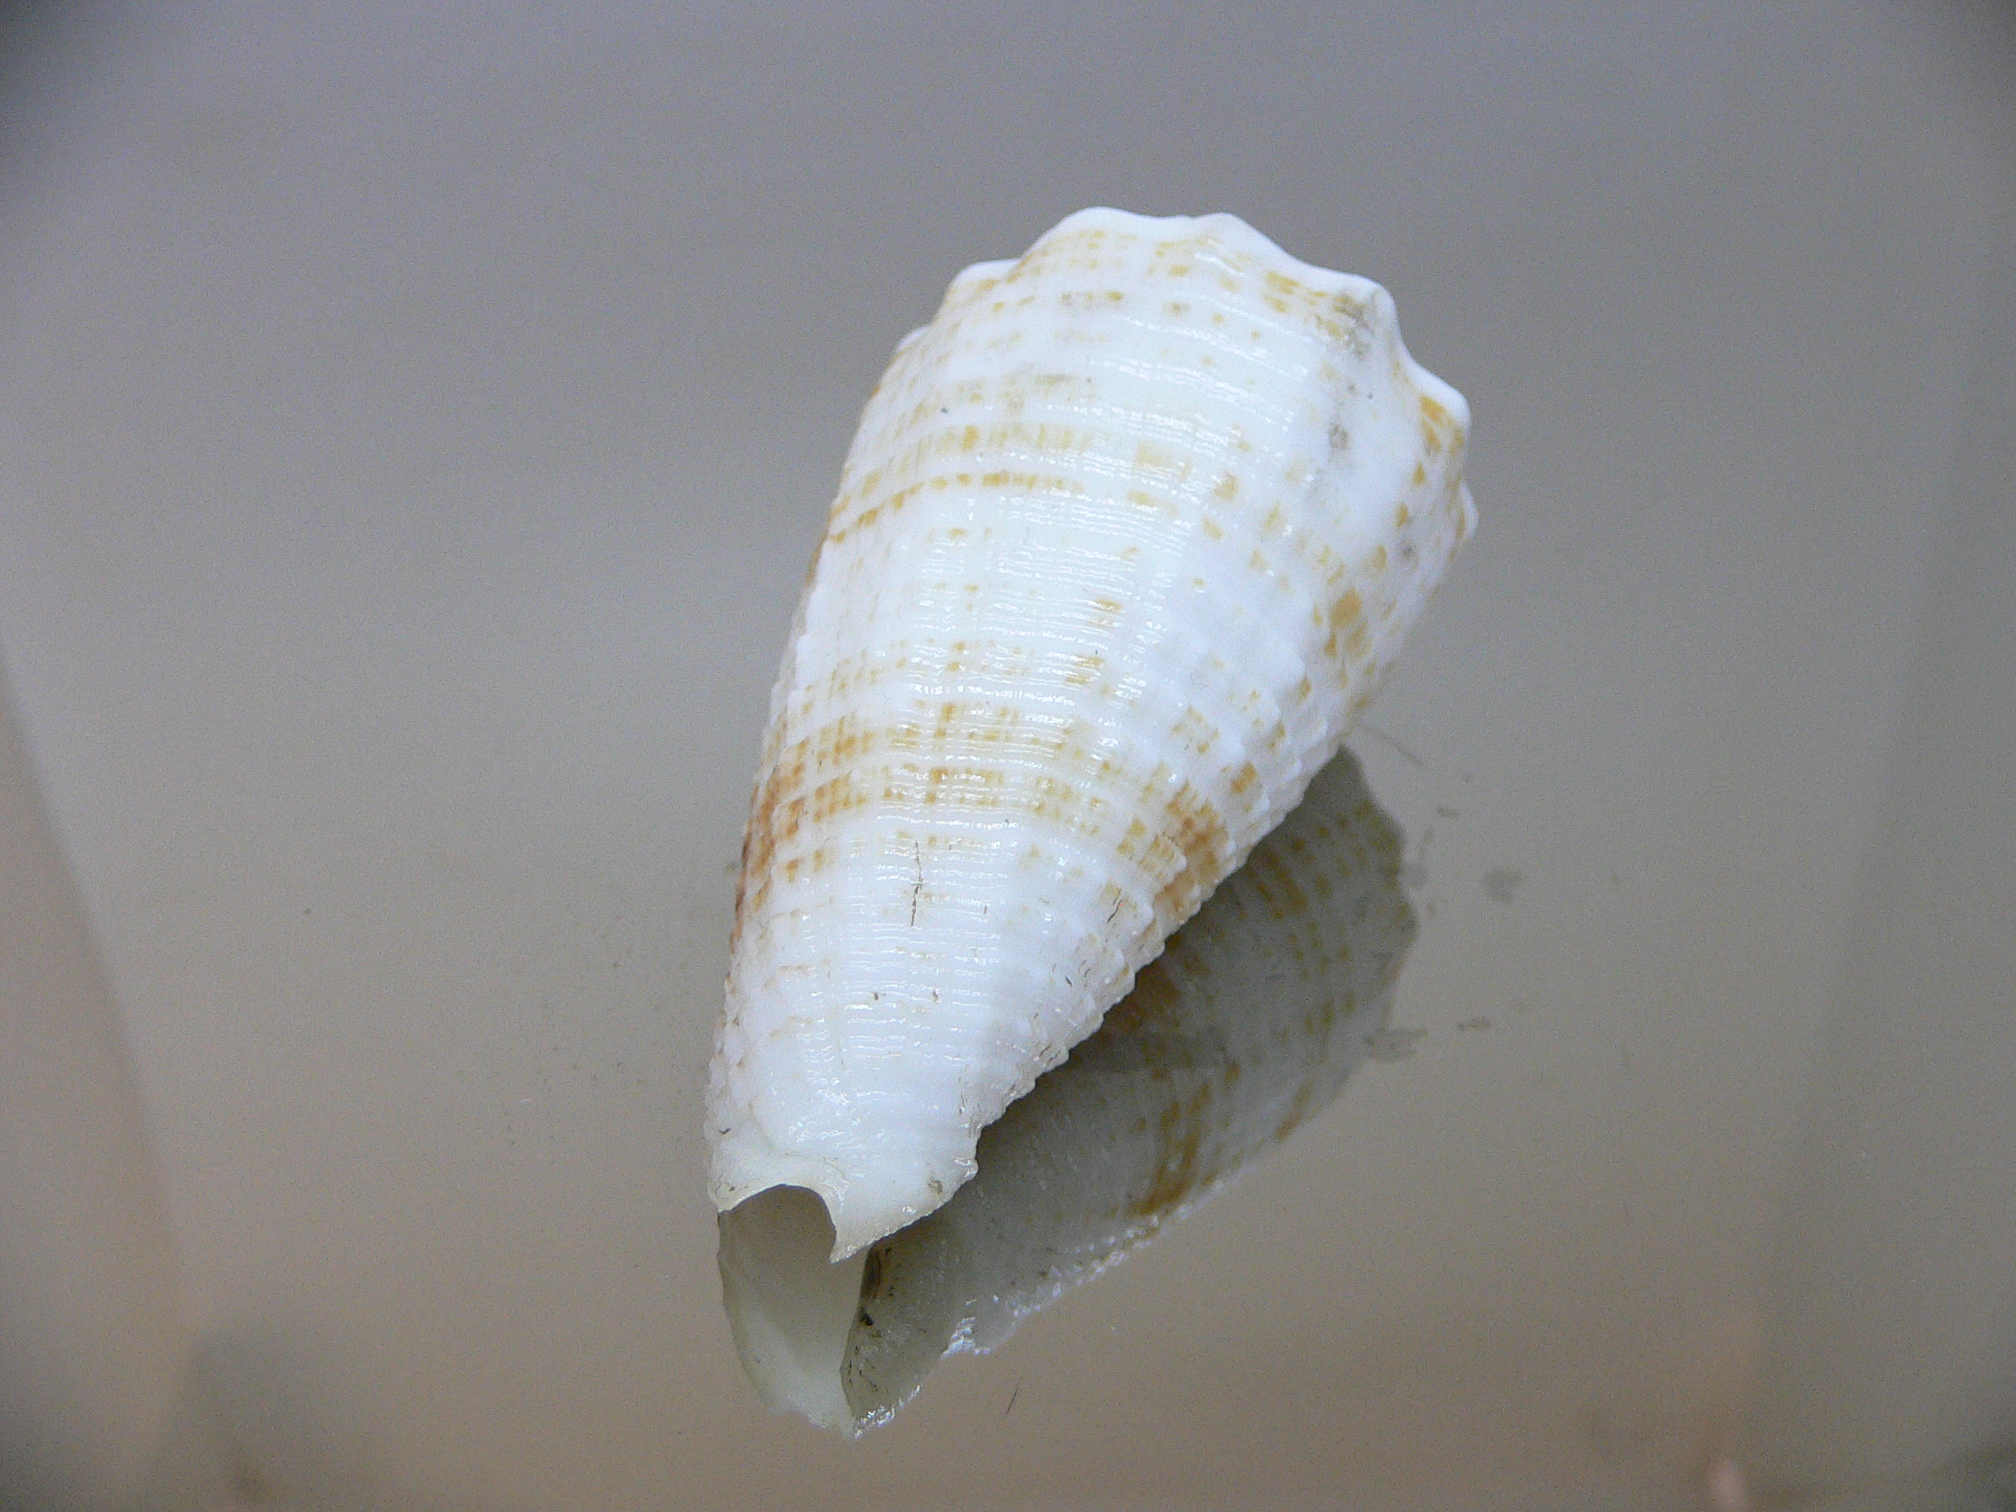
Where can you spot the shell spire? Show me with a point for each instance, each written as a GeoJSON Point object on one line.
{"type": "Point", "coordinates": [1128, 536]}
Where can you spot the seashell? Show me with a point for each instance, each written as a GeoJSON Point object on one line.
{"type": "Point", "coordinates": [1127, 538]}
{"type": "Point", "coordinates": [1245, 1027]}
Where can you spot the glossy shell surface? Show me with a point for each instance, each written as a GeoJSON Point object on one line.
{"type": "Point", "coordinates": [1127, 538]}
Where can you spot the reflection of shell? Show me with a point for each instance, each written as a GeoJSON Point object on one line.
{"type": "Point", "coordinates": [1244, 1027]}
{"type": "Point", "coordinates": [1129, 534]}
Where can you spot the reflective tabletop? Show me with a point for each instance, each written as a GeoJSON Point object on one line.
{"type": "Point", "coordinates": [414, 425]}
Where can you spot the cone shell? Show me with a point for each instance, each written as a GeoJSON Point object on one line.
{"type": "Point", "coordinates": [1127, 538]}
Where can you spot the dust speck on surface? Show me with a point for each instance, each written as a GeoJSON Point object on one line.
{"type": "Point", "coordinates": [1414, 871]}
{"type": "Point", "coordinates": [1479, 1022]}
{"type": "Point", "coordinates": [1501, 882]}
{"type": "Point", "coordinates": [1394, 1044]}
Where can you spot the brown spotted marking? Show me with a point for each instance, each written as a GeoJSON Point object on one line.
{"type": "Point", "coordinates": [1299, 1108]}
{"type": "Point", "coordinates": [1194, 831]}
{"type": "Point", "coordinates": [1347, 618]}
{"type": "Point", "coordinates": [1195, 731]}
{"type": "Point", "coordinates": [1085, 668]}
{"type": "Point", "coordinates": [1275, 882]}
{"type": "Point", "coordinates": [1180, 1133]}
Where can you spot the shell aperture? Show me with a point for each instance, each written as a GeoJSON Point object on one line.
{"type": "Point", "coordinates": [1127, 537]}
{"type": "Point", "coordinates": [1244, 1028]}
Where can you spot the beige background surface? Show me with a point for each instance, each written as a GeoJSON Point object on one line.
{"type": "Point", "coordinates": [414, 422]}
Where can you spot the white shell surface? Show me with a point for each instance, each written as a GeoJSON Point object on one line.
{"type": "Point", "coordinates": [1245, 1027]}
{"type": "Point", "coordinates": [1126, 540]}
